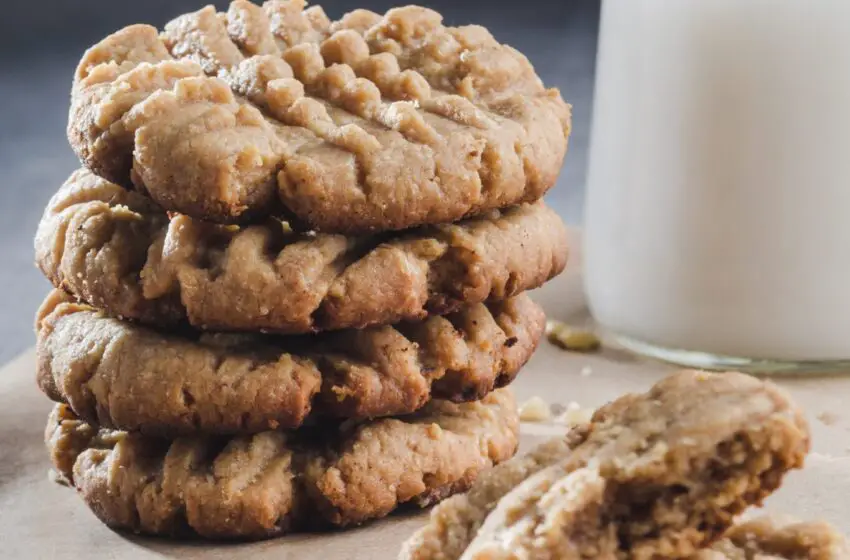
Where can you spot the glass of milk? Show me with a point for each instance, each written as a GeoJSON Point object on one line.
{"type": "Point", "coordinates": [718, 210]}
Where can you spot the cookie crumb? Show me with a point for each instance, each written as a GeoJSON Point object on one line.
{"type": "Point", "coordinates": [828, 418]}
{"type": "Point", "coordinates": [56, 477]}
{"type": "Point", "coordinates": [575, 415]}
{"type": "Point", "coordinates": [340, 392]}
{"type": "Point", "coordinates": [534, 409]}
{"type": "Point", "coordinates": [571, 338]}
{"type": "Point", "coordinates": [435, 431]}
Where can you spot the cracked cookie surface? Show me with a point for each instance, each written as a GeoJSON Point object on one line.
{"type": "Point", "coordinates": [116, 250]}
{"type": "Point", "coordinates": [364, 124]}
{"type": "Point", "coordinates": [654, 475]}
{"type": "Point", "coordinates": [121, 375]}
{"type": "Point", "coordinates": [275, 482]}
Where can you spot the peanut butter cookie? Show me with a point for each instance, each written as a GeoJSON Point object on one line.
{"type": "Point", "coordinates": [655, 475]}
{"type": "Point", "coordinates": [116, 250]}
{"type": "Point", "coordinates": [777, 538]}
{"type": "Point", "coordinates": [120, 375]}
{"type": "Point", "coordinates": [365, 124]}
{"type": "Point", "coordinates": [274, 482]}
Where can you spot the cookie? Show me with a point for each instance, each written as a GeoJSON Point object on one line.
{"type": "Point", "coordinates": [369, 123]}
{"type": "Point", "coordinates": [120, 375]}
{"type": "Point", "coordinates": [116, 250]}
{"type": "Point", "coordinates": [453, 524]}
{"type": "Point", "coordinates": [777, 538]}
{"type": "Point", "coordinates": [274, 482]}
{"type": "Point", "coordinates": [655, 475]}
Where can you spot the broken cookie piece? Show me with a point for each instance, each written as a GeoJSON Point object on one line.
{"type": "Point", "coordinates": [454, 523]}
{"type": "Point", "coordinates": [655, 475]}
{"type": "Point", "coordinates": [778, 538]}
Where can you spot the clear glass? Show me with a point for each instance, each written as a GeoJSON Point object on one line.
{"type": "Point", "coordinates": [717, 226]}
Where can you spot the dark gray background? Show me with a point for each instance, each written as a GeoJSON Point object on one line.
{"type": "Point", "coordinates": [41, 42]}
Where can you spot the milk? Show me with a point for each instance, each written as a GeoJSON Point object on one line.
{"type": "Point", "coordinates": [718, 208]}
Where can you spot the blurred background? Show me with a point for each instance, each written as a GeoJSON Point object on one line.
{"type": "Point", "coordinates": [41, 42]}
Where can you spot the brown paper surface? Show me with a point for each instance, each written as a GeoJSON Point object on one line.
{"type": "Point", "coordinates": [40, 519]}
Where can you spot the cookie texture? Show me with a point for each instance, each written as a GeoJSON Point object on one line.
{"type": "Point", "coordinates": [119, 375]}
{"type": "Point", "coordinates": [368, 123]}
{"type": "Point", "coordinates": [779, 538]}
{"type": "Point", "coordinates": [454, 524]}
{"type": "Point", "coordinates": [116, 250]}
{"type": "Point", "coordinates": [274, 482]}
{"type": "Point", "coordinates": [654, 475]}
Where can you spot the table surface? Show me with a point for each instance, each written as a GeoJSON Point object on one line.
{"type": "Point", "coordinates": [39, 519]}
{"type": "Point", "coordinates": [559, 38]}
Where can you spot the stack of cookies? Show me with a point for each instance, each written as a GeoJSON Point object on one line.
{"type": "Point", "coordinates": [289, 278]}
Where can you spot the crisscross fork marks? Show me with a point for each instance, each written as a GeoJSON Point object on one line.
{"type": "Point", "coordinates": [468, 126]}
{"type": "Point", "coordinates": [268, 483]}
{"type": "Point", "coordinates": [136, 263]}
{"type": "Point", "coordinates": [121, 375]}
